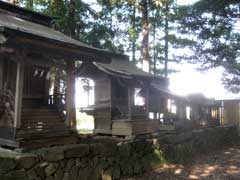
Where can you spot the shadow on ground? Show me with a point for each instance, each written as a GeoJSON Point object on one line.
{"type": "Point", "coordinates": [219, 165]}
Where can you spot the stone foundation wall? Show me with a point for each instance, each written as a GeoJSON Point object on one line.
{"type": "Point", "coordinates": [111, 160]}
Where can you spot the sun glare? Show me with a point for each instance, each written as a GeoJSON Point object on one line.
{"type": "Point", "coordinates": [189, 81]}
{"type": "Point", "coordinates": [186, 2]}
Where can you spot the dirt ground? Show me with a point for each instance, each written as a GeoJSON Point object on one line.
{"type": "Point", "coordinates": [220, 165]}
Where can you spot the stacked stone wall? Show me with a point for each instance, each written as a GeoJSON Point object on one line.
{"type": "Point", "coordinates": [112, 160]}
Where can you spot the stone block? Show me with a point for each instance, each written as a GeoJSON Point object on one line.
{"type": "Point", "coordinates": [102, 165]}
{"type": "Point", "coordinates": [116, 172]}
{"type": "Point", "coordinates": [16, 175]}
{"type": "Point", "coordinates": [126, 167]}
{"type": "Point", "coordinates": [39, 171]}
{"type": "Point", "coordinates": [75, 151]}
{"type": "Point", "coordinates": [84, 173]}
{"type": "Point", "coordinates": [50, 169]}
{"type": "Point", "coordinates": [104, 149]}
{"type": "Point", "coordinates": [31, 174]}
{"type": "Point", "coordinates": [124, 149]}
{"type": "Point", "coordinates": [7, 164]}
{"type": "Point", "coordinates": [70, 164]}
{"type": "Point", "coordinates": [59, 174]}
{"type": "Point", "coordinates": [50, 178]}
{"type": "Point", "coordinates": [54, 155]}
{"type": "Point", "coordinates": [137, 168]}
{"type": "Point", "coordinates": [74, 172]}
{"type": "Point", "coordinates": [27, 162]}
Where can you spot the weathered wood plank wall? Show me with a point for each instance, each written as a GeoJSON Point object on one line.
{"type": "Point", "coordinates": [231, 112]}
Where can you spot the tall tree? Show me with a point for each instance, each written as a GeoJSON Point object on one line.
{"type": "Point", "coordinates": [166, 30]}
{"type": "Point", "coordinates": [70, 91]}
{"type": "Point", "coordinates": [145, 34]}
{"type": "Point", "coordinates": [13, 2]}
{"type": "Point", "coordinates": [214, 25]}
{"type": "Point", "coordinates": [133, 30]}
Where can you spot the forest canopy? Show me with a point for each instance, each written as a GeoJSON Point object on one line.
{"type": "Point", "coordinates": [153, 31]}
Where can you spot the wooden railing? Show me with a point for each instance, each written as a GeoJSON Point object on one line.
{"type": "Point", "coordinates": [7, 99]}
{"type": "Point", "coordinates": [58, 101]}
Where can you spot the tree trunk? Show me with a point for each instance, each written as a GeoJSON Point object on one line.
{"type": "Point", "coordinates": [71, 31]}
{"type": "Point", "coordinates": [154, 49]}
{"type": "Point", "coordinates": [70, 94]}
{"type": "Point", "coordinates": [13, 2]}
{"type": "Point", "coordinates": [145, 33]}
{"type": "Point", "coordinates": [30, 4]}
{"type": "Point", "coordinates": [134, 38]}
{"type": "Point", "coordinates": [166, 42]}
{"type": "Point", "coordinates": [56, 90]}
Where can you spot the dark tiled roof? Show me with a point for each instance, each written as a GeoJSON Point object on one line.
{"type": "Point", "coordinates": [38, 30]}
{"type": "Point", "coordinates": [25, 13]}
{"type": "Point", "coordinates": [18, 24]}
{"type": "Point", "coordinates": [122, 67]}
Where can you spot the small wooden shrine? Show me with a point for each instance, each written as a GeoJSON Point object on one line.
{"type": "Point", "coordinates": [182, 112]}
{"type": "Point", "coordinates": [204, 111]}
{"type": "Point", "coordinates": [167, 107]}
{"type": "Point", "coordinates": [121, 97]}
{"type": "Point", "coordinates": [29, 47]}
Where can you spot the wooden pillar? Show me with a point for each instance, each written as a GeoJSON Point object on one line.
{"type": "Point", "coordinates": [18, 94]}
{"type": "Point", "coordinates": [70, 96]}
{"type": "Point", "coordinates": [56, 90]}
{"type": "Point", "coordinates": [1, 73]}
{"type": "Point", "coordinates": [147, 102]}
{"type": "Point", "coordinates": [130, 101]}
{"type": "Point", "coordinates": [181, 109]}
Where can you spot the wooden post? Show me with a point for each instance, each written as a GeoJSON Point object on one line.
{"type": "Point", "coordinates": [19, 94]}
{"type": "Point", "coordinates": [147, 102]}
{"type": "Point", "coordinates": [181, 109]}
{"type": "Point", "coordinates": [1, 73]}
{"type": "Point", "coordinates": [130, 102]}
{"type": "Point", "coordinates": [70, 96]}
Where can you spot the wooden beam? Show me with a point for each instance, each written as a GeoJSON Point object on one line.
{"type": "Point", "coordinates": [19, 93]}
{"type": "Point", "coordinates": [6, 50]}
{"type": "Point", "coordinates": [70, 96]}
{"type": "Point", "coordinates": [62, 50]}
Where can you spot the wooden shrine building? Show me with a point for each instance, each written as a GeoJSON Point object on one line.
{"type": "Point", "coordinates": [121, 97]}
{"type": "Point", "coordinates": [29, 47]}
{"type": "Point", "coordinates": [182, 112]}
{"type": "Point", "coordinates": [204, 111]}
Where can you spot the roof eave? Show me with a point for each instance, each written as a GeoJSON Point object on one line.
{"type": "Point", "coordinates": [66, 50]}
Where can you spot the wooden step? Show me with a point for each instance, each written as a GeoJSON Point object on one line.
{"type": "Point", "coordinates": [44, 116]}
{"type": "Point", "coordinates": [40, 109]}
{"type": "Point", "coordinates": [43, 124]}
{"type": "Point", "coordinates": [45, 131]}
{"type": "Point", "coordinates": [37, 130]}
{"type": "Point", "coordinates": [43, 120]}
{"type": "Point", "coordinates": [28, 144]}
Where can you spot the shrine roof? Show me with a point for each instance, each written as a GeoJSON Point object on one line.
{"type": "Point", "coordinates": [47, 34]}
{"type": "Point", "coordinates": [122, 67]}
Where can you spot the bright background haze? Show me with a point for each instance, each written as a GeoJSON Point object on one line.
{"type": "Point", "coordinates": [188, 80]}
